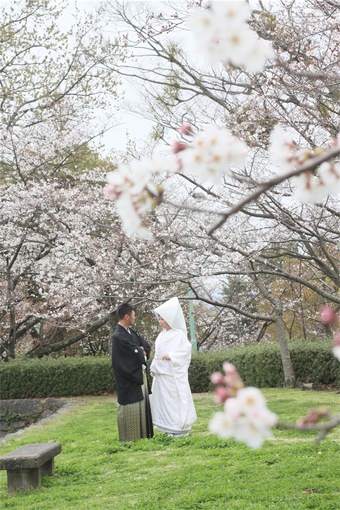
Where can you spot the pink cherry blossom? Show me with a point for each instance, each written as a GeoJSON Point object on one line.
{"type": "Point", "coordinates": [221, 395]}
{"type": "Point", "coordinates": [186, 129]}
{"type": "Point", "coordinates": [217, 378]}
{"type": "Point", "coordinates": [212, 153]}
{"type": "Point", "coordinates": [177, 147]}
{"type": "Point", "coordinates": [245, 418]}
{"type": "Point", "coordinates": [135, 194]}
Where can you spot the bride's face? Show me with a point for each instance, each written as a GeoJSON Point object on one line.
{"type": "Point", "coordinates": [163, 324]}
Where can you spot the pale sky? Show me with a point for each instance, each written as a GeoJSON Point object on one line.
{"type": "Point", "coordinates": [128, 124]}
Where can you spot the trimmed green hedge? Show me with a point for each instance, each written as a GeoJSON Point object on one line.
{"type": "Point", "coordinates": [261, 365]}
{"type": "Point", "coordinates": [39, 378]}
{"type": "Point", "coordinates": [258, 365]}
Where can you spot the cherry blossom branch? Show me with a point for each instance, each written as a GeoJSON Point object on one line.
{"type": "Point", "coordinates": [266, 186]}
{"type": "Point", "coordinates": [308, 74]}
{"type": "Point", "coordinates": [245, 416]}
{"type": "Point", "coordinates": [230, 306]}
{"type": "Point", "coordinates": [191, 208]}
{"type": "Point", "coordinates": [323, 428]}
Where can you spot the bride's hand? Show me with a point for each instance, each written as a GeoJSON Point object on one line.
{"type": "Point", "coordinates": [166, 357]}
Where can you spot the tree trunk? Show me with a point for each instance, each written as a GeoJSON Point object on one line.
{"type": "Point", "coordinates": [112, 325]}
{"type": "Point", "coordinates": [288, 369]}
{"type": "Point", "coordinates": [12, 336]}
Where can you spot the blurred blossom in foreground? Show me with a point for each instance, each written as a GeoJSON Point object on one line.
{"type": "Point", "coordinates": [222, 34]}
{"type": "Point", "coordinates": [245, 416]}
{"type": "Point", "coordinates": [328, 315]}
{"type": "Point", "coordinates": [211, 154]}
{"type": "Point", "coordinates": [135, 194]}
{"type": "Point", "coordinates": [207, 157]}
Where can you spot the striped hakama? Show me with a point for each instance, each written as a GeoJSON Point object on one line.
{"type": "Point", "coordinates": [134, 420]}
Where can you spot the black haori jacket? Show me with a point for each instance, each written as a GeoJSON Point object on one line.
{"type": "Point", "coordinates": [127, 361]}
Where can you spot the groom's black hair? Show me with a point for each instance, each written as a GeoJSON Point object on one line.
{"type": "Point", "coordinates": [124, 309]}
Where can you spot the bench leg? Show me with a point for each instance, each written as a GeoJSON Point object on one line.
{"type": "Point", "coordinates": [47, 469]}
{"type": "Point", "coordinates": [23, 479]}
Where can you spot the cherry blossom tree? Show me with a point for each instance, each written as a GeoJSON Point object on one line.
{"type": "Point", "coordinates": [48, 111]}
{"type": "Point", "coordinates": [287, 87]}
{"type": "Point", "coordinates": [292, 85]}
{"type": "Point", "coordinates": [269, 89]}
{"type": "Point", "coordinates": [46, 60]}
{"type": "Point", "coordinates": [64, 263]}
{"type": "Point", "coordinates": [246, 188]}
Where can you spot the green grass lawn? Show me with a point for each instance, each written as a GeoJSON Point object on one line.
{"type": "Point", "coordinates": [96, 472]}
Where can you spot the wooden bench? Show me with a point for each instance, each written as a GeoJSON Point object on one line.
{"type": "Point", "coordinates": [28, 464]}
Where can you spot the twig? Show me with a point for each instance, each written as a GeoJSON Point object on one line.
{"type": "Point", "coordinates": [323, 428]}
{"type": "Point", "coordinates": [266, 186]}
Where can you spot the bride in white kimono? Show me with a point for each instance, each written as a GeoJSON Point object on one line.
{"type": "Point", "coordinates": [172, 406]}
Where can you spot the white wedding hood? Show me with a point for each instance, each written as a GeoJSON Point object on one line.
{"type": "Point", "coordinates": [172, 313]}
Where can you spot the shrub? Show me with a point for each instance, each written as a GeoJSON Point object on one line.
{"type": "Point", "coordinates": [56, 377]}
{"type": "Point", "coordinates": [261, 365]}
{"type": "Point", "coordinates": [258, 365]}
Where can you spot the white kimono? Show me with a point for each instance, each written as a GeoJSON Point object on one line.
{"type": "Point", "coordinates": [172, 406]}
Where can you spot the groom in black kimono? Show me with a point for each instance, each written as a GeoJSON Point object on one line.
{"type": "Point", "coordinates": [129, 354]}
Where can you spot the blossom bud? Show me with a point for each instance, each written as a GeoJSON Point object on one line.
{"type": "Point", "coordinates": [328, 315]}
{"type": "Point", "coordinates": [186, 129]}
{"type": "Point", "coordinates": [314, 416]}
{"type": "Point", "coordinates": [229, 369]}
{"type": "Point", "coordinates": [216, 378]}
{"type": "Point", "coordinates": [221, 395]}
{"type": "Point", "coordinates": [177, 147]}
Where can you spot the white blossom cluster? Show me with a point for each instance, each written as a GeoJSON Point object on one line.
{"type": "Point", "coordinates": [222, 34]}
{"type": "Point", "coordinates": [135, 194]}
{"type": "Point", "coordinates": [211, 154]}
{"type": "Point", "coordinates": [62, 246]}
{"type": "Point", "coordinates": [245, 416]}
